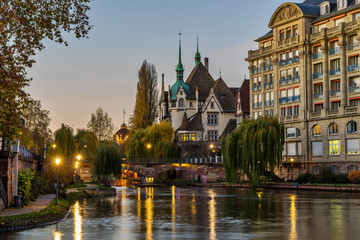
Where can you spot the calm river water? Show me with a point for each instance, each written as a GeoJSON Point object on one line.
{"type": "Point", "coordinates": [207, 213]}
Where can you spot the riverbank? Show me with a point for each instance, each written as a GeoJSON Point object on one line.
{"type": "Point", "coordinates": [289, 186]}
{"type": "Point", "coordinates": [53, 213]}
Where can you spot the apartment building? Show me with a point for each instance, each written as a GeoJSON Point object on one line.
{"type": "Point", "coordinates": [306, 72]}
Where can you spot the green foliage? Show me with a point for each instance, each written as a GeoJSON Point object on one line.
{"type": "Point", "coordinates": [101, 125]}
{"type": "Point", "coordinates": [24, 186]}
{"type": "Point", "coordinates": [24, 26]}
{"type": "Point", "coordinates": [307, 178]}
{"type": "Point", "coordinates": [325, 176]}
{"type": "Point", "coordinates": [159, 136]}
{"type": "Point", "coordinates": [254, 148]}
{"type": "Point", "coordinates": [65, 142]}
{"type": "Point", "coordinates": [146, 105]}
{"type": "Point", "coordinates": [108, 160]}
{"type": "Point", "coordinates": [86, 145]}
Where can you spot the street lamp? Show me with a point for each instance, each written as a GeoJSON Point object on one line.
{"type": "Point", "coordinates": [57, 178]}
{"type": "Point", "coordinates": [292, 168]}
{"type": "Point", "coordinates": [148, 146]}
{"type": "Point", "coordinates": [78, 166]}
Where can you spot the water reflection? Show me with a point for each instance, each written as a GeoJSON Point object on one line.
{"type": "Point", "coordinates": [212, 215]}
{"type": "Point", "coordinates": [293, 216]}
{"type": "Point", "coordinates": [77, 221]}
{"type": "Point", "coordinates": [57, 235]}
{"type": "Point", "coordinates": [149, 210]}
{"type": "Point", "coordinates": [173, 208]}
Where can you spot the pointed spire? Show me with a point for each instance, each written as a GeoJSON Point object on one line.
{"type": "Point", "coordinates": [197, 54]}
{"type": "Point", "coordinates": [179, 68]}
{"type": "Point", "coordinates": [220, 71]}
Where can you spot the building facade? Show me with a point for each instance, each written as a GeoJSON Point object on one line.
{"type": "Point", "coordinates": [199, 109]}
{"type": "Point", "coordinates": [306, 72]}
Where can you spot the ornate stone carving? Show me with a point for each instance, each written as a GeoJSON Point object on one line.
{"type": "Point", "coordinates": [287, 12]}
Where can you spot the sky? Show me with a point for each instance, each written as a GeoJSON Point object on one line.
{"type": "Point", "coordinates": [101, 71]}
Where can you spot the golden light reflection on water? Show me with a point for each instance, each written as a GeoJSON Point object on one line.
{"type": "Point", "coordinates": [193, 208]}
{"type": "Point", "coordinates": [173, 208]}
{"type": "Point", "coordinates": [149, 209]}
{"type": "Point", "coordinates": [212, 215]}
{"type": "Point", "coordinates": [57, 235]}
{"type": "Point", "coordinates": [336, 219]}
{"type": "Point", "coordinates": [77, 221]}
{"type": "Point", "coordinates": [293, 216]}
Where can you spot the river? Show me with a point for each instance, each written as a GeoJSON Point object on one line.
{"type": "Point", "coordinates": [207, 213]}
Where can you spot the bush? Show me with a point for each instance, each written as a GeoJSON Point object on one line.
{"type": "Point", "coordinates": [25, 187]}
{"type": "Point", "coordinates": [354, 176]}
{"type": "Point", "coordinates": [342, 178]}
{"type": "Point", "coordinates": [326, 176]}
{"type": "Point", "coordinates": [307, 178]}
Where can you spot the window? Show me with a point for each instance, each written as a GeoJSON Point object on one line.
{"type": "Point", "coordinates": [316, 170]}
{"type": "Point", "coordinates": [173, 104]}
{"type": "Point", "coordinates": [212, 135]}
{"type": "Point", "coordinates": [295, 31]}
{"type": "Point", "coordinates": [335, 105]}
{"type": "Point", "coordinates": [283, 112]}
{"type": "Point", "coordinates": [299, 148]}
{"type": "Point", "coordinates": [191, 104]}
{"type": "Point", "coordinates": [271, 112]}
{"type": "Point", "coordinates": [282, 35]}
{"type": "Point", "coordinates": [289, 111]}
{"type": "Point", "coordinates": [181, 93]}
{"type": "Point", "coordinates": [318, 107]}
{"type": "Point", "coordinates": [352, 168]}
{"type": "Point", "coordinates": [333, 169]}
{"type": "Point", "coordinates": [290, 132]}
{"type": "Point", "coordinates": [200, 105]}
{"type": "Point", "coordinates": [316, 130]}
{"type": "Point", "coordinates": [352, 146]}
{"type": "Point", "coordinates": [212, 119]}
{"type": "Point", "coordinates": [334, 147]}
{"type": "Point", "coordinates": [352, 127]}
{"type": "Point", "coordinates": [184, 137]}
{"type": "Point", "coordinates": [291, 149]}
{"type": "Point", "coordinates": [296, 110]}
{"type": "Point", "coordinates": [317, 148]}
{"type": "Point", "coordinates": [181, 103]}
{"type": "Point", "coordinates": [333, 129]}
{"type": "Point", "coordinates": [193, 137]}
{"type": "Point", "coordinates": [356, 16]}
{"type": "Point", "coordinates": [212, 105]}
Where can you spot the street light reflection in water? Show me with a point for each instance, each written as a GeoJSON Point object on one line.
{"type": "Point", "coordinates": [212, 215]}
{"type": "Point", "coordinates": [77, 222]}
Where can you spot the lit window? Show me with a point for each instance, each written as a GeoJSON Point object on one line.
{"type": "Point", "coordinates": [352, 127]}
{"type": "Point", "coordinates": [193, 137]}
{"type": "Point", "coordinates": [316, 130]}
{"type": "Point", "coordinates": [333, 129]}
{"type": "Point", "coordinates": [334, 147]}
{"type": "Point", "coordinates": [184, 137]}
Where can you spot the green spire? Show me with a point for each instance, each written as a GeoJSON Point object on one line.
{"type": "Point", "coordinates": [197, 54]}
{"type": "Point", "coordinates": [179, 67]}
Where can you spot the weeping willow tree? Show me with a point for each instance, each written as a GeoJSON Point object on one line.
{"type": "Point", "coordinates": [159, 136]}
{"type": "Point", "coordinates": [254, 148]}
{"type": "Point", "coordinates": [108, 160]}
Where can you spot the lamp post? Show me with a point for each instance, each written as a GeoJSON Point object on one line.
{"type": "Point", "coordinates": [148, 146]}
{"type": "Point", "coordinates": [212, 150]}
{"type": "Point", "coordinates": [57, 178]}
{"type": "Point", "coordinates": [78, 164]}
{"type": "Point", "coordinates": [292, 168]}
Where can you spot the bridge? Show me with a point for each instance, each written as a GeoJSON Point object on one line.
{"type": "Point", "coordinates": [203, 170]}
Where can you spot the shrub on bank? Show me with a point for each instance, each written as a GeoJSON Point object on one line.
{"type": "Point", "coordinates": [354, 176]}
{"type": "Point", "coordinates": [325, 176]}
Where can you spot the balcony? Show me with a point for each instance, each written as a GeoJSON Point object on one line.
{"type": "Point", "coordinates": [333, 72]}
{"type": "Point", "coordinates": [335, 92]}
{"type": "Point", "coordinates": [352, 68]}
{"type": "Point", "coordinates": [257, 105]}
{"type": "Point", "coordinates": [256, 70]}
{"type": "Point", "coordinates": [268, 67]}
{"type": "Point", "coordinates": [317, 55]}
{"type": "Point", "coordinates": [283, 100]}
{"type": "Point", "coordinates": [289, 80]}
{"type": "Point", "coordinates": [268, 85]}
{"type": "Point", "coordinates": [289, 61]}
{"type": "Point", "coordinates": [269, 103]}
{"type": "Point", "coordinates": [318, 95]}
{"type": "Point", "coordinates": [354, 89]}
{"type": "Point", "coordinates": [334, 51]}
{"type": "Point", "coordinates": [353, 46]}
{"type": "Point", "coordinates": [296, 98]}
{"type": "Point", "coordinates": [317, 75]}
{"type": "Point", "coordinates": [289, 99]}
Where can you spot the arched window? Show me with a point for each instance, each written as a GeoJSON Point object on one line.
{"type": "Point", "coordinates": [316, 130]}
{"type": "Point", "coordinates": [181, 103]}
{"type": "Point", "coordinates": [352, 127]}
{"type": "Point", "coordinates": [333, 128]}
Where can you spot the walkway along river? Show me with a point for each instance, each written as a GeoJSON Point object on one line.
{"type": "Point", "coordinates": [207, 213]}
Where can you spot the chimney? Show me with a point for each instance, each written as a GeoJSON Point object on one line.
{"type": "Point", "coordinates": [206, 61]}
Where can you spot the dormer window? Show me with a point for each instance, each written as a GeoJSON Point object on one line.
{"type": "Point", "coordinates": [181, 93]}
{"type": "Point", "coordinates": [324, 8]}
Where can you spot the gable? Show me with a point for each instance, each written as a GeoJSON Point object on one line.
{"type": "Point", "coordinates": [285, 13]}
{"type": "Point", "coordinates": [200, 78]}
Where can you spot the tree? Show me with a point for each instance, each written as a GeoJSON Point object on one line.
{"type": "Point", "coordinates": [86, 144]}
{"type": "Point", "coordinates": [159, 136]}
{"type": "Point", "coordinates": [37, 127]}
{"type": "Point", "coordinates": [108, 160]}
{"type": "Point", "coordinates": [101, 124]}
{"type": "Point", "coordinates": [23, 27]}
{"type": "Point", "coordinates": [65, 142]}
{"type": "Point", "coordinates": [146, 105]}
{"type": "Point", "coordinates": [255, 148]}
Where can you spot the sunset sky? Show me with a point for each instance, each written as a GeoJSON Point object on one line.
{"type": "Point", "coordinates": [72, 82]}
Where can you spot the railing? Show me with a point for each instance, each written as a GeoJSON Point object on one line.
{"type": "Point", "coordinates": [333, 72]}
{"type": "Point", "coordinates": [289, 80]}
{"type": "Point", "coordinates": [289, 61]}
{"type": "Point", "coordinates": [216, 159]}
{"type": "Point", "coordinates": [334, 51]}
{"type": "Point", "coordinates": [268, 67]}
{"type": "Point", "coordinates": [317, 75]}
{"type": "Point", "coordinates": [333, 112]}
{"type": "Point", "coordinates": [351, 109]}
{"type": "Point", "coordinates": [317, 55]}
{"type": "Point", "coordinates": [269, 103]}
{"type": "Point", "coordinates": [289, 99]}
{"type": "Point", "coordinates": [353, 46]}
{"type": "Point", "coordinates": [296, 98]}
{"type": "Point", "coordinates": [352, 68]}
{"type": "Point", "coordinates": [257, 105]}
{"type": "Point", "coordinates": [354, 89]}
{"type": "Point", "coordinates": [283, 100]}
{"type": "Point", "coordinates": [335, 92]}
{"type": "Point", "coordinates": [318, 95]}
